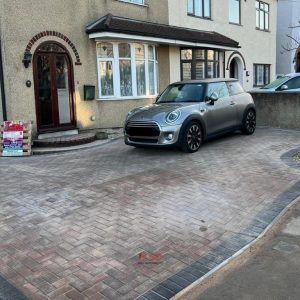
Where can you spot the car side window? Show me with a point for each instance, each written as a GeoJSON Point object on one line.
{"type": "Point", "coordinates": [220, 88]}
{"type": "Point", "coordinates": [235, 88]}
{"type": "Point", "coordinates": [294, 83]}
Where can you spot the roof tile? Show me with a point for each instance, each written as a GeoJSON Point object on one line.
{"type": "Point", "coordinates": [110, 23]}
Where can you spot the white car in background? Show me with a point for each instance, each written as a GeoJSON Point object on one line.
{"type": "Point", "coordinates": [287, 83]}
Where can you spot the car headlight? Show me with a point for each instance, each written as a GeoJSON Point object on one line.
{"type": "Point", "coordinates": [173, 116]}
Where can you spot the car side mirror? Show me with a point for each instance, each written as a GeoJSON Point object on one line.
{"type": "Point", "coordinates": [156, 99]}
{"type": "Point", "coordinates": [284, 87]}
{"type": "Point", "coordinates": [213, 98]}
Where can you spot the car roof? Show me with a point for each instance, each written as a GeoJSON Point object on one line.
{"type": "Point", "coordinates": [211, 80]}
{"type": "Point", "coordinates": [293, 74]}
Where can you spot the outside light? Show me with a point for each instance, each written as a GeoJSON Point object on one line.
{"type": "Point", "coordinates": [27, 59]}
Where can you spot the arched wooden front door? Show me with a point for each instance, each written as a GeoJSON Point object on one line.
{"type": "Point", "coordinates": [54, 88]}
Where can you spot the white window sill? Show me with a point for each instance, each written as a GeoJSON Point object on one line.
{"type": "Point", "coordinates": [126, 98]}
{"type": "Point", "coordinates": [128, 2]}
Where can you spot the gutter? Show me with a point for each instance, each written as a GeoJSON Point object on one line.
{"type": "Point", "coordinates": [158, 40]}
{"type": "Point", "coordinates": [2, 90]}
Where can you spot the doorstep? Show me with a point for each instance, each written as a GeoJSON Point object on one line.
{"type": "Point", "coordinates": [57, 134]}
{"type": "Point", "coordinates": [82, 141]}
{"type": "Point", "coordinates": [65, 141]}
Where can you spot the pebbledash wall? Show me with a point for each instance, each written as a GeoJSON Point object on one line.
{"type": "Point", "coordinates": [22, 20]}
{"type": "Point", "coordinates": [1, 79]}
{"type": "Point", "coordinates": [25, 25]}
{"type": "Point", "coordinates": [257, 44]}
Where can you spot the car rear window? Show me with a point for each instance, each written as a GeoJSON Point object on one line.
{"type": "Point", "coordinates": [235, 88]}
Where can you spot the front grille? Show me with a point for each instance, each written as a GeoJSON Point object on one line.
{"type": "Point", "coordinates": [142, 129]}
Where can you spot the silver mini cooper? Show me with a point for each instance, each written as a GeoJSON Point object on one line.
{"type": "Point", "coordinates": [189, 112]}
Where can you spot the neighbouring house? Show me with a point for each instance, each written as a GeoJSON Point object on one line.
{"type": "Point", "coordinates": [252, 24]}
{"type": "Point", "coordinates": [288, 37]}
{"type": "Point", "coordinates": [84, 64]}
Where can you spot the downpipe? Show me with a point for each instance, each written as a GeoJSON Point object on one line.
{"type": "Point", "coordinates": [2, 89]}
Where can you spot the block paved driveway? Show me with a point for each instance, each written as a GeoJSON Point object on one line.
{"type": "Point", "coordinates": [73, 225]}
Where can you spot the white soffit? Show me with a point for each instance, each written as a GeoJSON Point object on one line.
{"type": "Point", "coordinates": [123, 36]}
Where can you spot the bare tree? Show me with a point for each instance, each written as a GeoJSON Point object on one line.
{"type": "Point", "coordinates": [293, 43]}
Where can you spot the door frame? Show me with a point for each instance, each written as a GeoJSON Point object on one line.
{"type": "Point", "coordinates": [237, 65]}
{"type": "Point", "coordinates": [59, 127]}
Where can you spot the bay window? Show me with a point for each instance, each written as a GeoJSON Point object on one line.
{"type": "Point", "coordinates": [126, 70]}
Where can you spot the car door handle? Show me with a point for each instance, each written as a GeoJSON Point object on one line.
{"type": "Point", "coordinates": [232, 103]}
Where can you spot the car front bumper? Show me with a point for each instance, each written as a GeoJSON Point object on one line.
{"type": "Point", "coordinates": [168, 136]}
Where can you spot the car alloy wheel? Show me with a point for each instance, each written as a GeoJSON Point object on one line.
{"type": "Point", "coordinates": [192, 138]}
{"type": "Point", "coordinates": [250, 122]}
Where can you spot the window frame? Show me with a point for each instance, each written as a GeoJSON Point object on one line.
{"type": "Point", "coordinates": [154, 61]}
{"type": "Point", "coordinates": [193, 14]}
{"type": "Point", "coordinates": [144, 60]}
{"type": "Point", "coordinates": [240, 13]}
{"type": "Point", "coordinates": [121, 58]}
{"type": "Point", "coordinates": [132, 2]}
{"type": "Point", "coordinates": [220, 97]}
{"type": "Point", "coordinates": [233, 82]}
{"type": "Point", "coordinates": [194, 61]}
{"type": "Point", "coordinates": [116, 71]}
{"type": "Point", "coordinates": [105, 59]}
{"type": "Point", "coordinates": [265, 13]}
{"type": "Point", "coordinates": [267, 70]}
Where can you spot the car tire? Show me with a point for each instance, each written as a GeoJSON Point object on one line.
{"type": "Point", "coordinates": [191, 138]}
{"type": "Point", "coordinates": [249, 122]}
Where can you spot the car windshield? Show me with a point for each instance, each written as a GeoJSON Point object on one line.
{"type": "Point", "coordinates": [183, 92]}
{"type": "Point", "coordinates": [276, 83]}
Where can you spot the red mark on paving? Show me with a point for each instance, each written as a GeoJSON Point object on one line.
{"type": "Point", "coordinates": [150, 258]}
